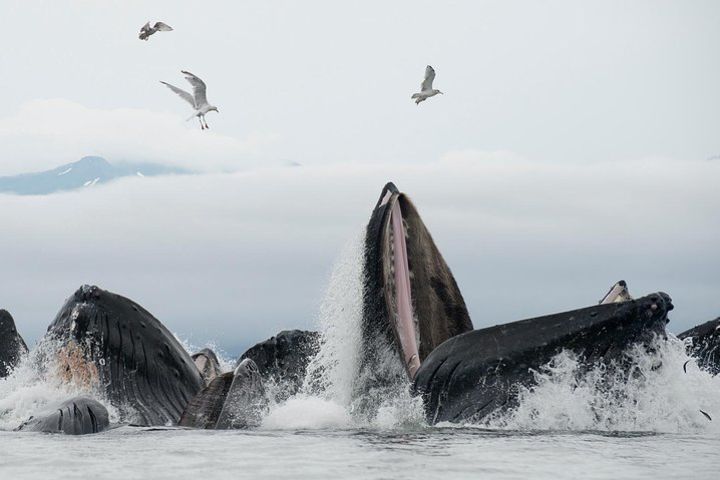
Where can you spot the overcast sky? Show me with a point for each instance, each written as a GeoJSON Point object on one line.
{"type": "Point", "coordinates": [570, 150]}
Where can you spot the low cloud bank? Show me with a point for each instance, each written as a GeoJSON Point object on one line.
{"type": "Point", "coordinates": [236, 257]}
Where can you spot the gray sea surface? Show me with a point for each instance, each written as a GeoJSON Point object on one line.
{"type": "Point", "coordinates": [359, 453]}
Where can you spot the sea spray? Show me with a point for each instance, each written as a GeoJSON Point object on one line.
{"type": "Point", "coordinates": [226, 361]}
{"type": "Point", "coordinates": [341, 389]}
{"type": "Point", "coordinates": [37, 382]}
{"type": "Point", "coordinates": [332, 372]}
{"type": "Point", "coordinates": [655, 395]}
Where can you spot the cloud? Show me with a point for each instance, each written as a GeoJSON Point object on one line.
{"type": "Point", "coordinates": [236, 257]}
{"type": "Point", "coordinates": [46, 133]}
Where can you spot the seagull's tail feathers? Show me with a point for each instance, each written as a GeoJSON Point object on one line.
{"type": "Point", "coordinates": [415, 95]}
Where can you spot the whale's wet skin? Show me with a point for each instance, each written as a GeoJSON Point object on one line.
{"type": "Point", "coordinates": [395, 382]}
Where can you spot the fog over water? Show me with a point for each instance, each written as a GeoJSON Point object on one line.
{"type": "Point", "coordinates": [234, 258]}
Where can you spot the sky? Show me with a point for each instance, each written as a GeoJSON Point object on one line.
{"type": "Point", "coordinates": [571, 149]}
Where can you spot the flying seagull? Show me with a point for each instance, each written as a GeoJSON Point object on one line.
{"type": "Point", "coordinates": [426, 89]}
{"type": "Point", "coordinates": [198, 99]}
{"type": "Point", "coordinates": [147, 30]}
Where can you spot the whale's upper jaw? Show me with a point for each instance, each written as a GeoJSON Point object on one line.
{"type": "Point", "coordinates": [388, 190]}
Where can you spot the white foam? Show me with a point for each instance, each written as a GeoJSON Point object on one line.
{"type": "Point", "coordinates": [658, 396]}
{"type": "Point", "coordinates": [304, 412]}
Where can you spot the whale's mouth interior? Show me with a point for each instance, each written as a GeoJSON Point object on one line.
{"type": "Point", "coordinates": [398, 276]}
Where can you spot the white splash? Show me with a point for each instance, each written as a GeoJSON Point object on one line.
{"type": "Point", "coordinates": [331, 374]}
{"type": "Point", "coordinates": [329, 396]}
{"type": "Point", "coordinates": [35, 384]}
{"type": "Point", "coordinates": [227, 361]}
{"type": "Point", "coordinates": [657, 395]}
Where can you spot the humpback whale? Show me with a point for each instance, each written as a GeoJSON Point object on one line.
{"type": "Point", "coordinates": [245, 401]}
{"type": "Point", "coordinates": [283, 359]}
{"type": "Point", "coordinates": [207, 364]}
{"type": "Point", "coordinates": [476, 373]}
{"type": "Point", "coordinates": [704, 345]}
{"type": "Point", "coordinates": [233, 400]}
{"type": "Point", "coordinates": [411, 300]}
{"type": "Point", "coordinates": [77, 416]}
{"type": "Point", "coordinates": [413, 306]}
{"type": "Point", "coordinates": [110, 345]}
{"type": "Point", "coordinates": [12, 346]}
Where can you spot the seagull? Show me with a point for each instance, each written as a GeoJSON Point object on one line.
{"type": "Point", "coordinates": [147, 30]}
{"type": "Point", "coordinates": [198, 100]}
{"type": "Point", "coordinates": [426, 89]}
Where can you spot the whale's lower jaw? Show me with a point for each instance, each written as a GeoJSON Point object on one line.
{"type": "Point", "coordinates": [411, 299]}
{"type": "Point", "coordinates": [476, 373]}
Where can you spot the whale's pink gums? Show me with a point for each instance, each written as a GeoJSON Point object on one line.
{"type": "Point", "coordinates": [405, 324]}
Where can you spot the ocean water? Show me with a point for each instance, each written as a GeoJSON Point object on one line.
{"type": "Point", "coordinates": [358, 453]}
{"type": "Point", "coordinates": [569, 425]}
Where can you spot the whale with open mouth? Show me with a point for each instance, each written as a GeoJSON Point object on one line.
{"type": "Point", "coordinates": [413, 304]}
{"type": "Point", "coordinates": [410, 298]}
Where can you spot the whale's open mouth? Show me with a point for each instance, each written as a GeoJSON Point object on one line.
{"type": "Point", "coordinates": [409, 287]}
{"type": "Point", "coordinates": [397, 276]}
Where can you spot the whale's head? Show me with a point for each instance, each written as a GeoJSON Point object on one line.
{"type": "Point", "coordinates": [12, 346]}
{"type": "Point", "coordinates": [411, 297]}
{"type": "Point", "coordinates": [107, 342]}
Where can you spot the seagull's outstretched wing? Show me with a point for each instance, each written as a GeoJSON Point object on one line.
{"type": "Point", "coordinates": [183, 94]}
{"type": "Point", "coordinates": [145, 27]}
{"type": "Point", "coordinates": [163, 27]}
{"type": "Point", "coordinates": [199, 88]}
{"type": "Point", "coordinates": [429, 77]}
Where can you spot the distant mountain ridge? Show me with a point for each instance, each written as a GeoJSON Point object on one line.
{"type": "Point", "coordinates": [86, 172]}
